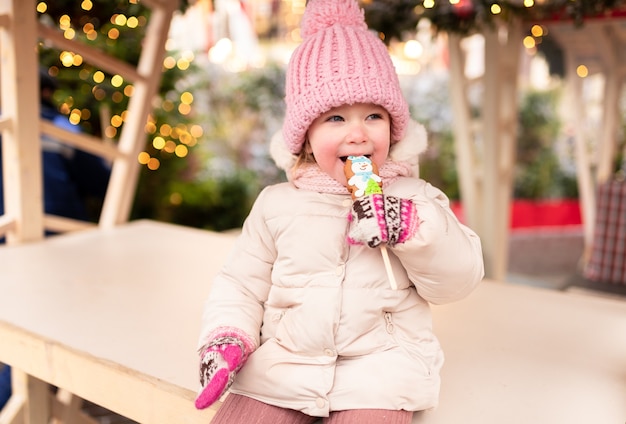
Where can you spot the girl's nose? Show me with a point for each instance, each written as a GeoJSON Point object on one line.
{"type": "Point", "coordinates": [356, 134]}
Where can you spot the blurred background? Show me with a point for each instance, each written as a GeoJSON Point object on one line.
{"type": "Point", "coordinates": [220, 101]}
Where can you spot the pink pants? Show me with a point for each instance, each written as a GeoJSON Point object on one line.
{"type": "Point", "coordinates": [239, 409]}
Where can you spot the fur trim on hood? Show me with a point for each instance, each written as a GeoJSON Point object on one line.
{"type": "Point", "coordinates": [406, 150]}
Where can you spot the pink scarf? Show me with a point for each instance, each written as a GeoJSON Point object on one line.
{"type": "Point", "coordinates": [311, 177]}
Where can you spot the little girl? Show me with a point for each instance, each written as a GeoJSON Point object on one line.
{"type": "Point", "coordinates": [302, 322]}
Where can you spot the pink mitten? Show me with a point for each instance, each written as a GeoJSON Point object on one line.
{"type": "Point", "coordinates": [219, 363]}
{"type": "Point", "coordinates": [401, 218]}
{"type": "Point", "coordinates": [378, 218]}
{"type": "Point", "coordinates": [367, 221]}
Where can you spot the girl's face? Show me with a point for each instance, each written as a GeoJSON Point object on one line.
{"type": "Point", "coordinates": [361, 129]}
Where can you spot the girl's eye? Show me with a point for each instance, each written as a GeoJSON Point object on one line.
{"type": "Point", "coordinates": [375, 116]}
{"type": "Point", "coordinates": [334, 118]}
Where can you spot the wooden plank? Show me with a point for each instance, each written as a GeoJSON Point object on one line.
{"type": "Point", "coordinates": [519, 355]}
{"type": "Point", "coordinates": [125, 173]}
{"type": "Point", "coordinates": [469, 174]}
{"type": "Point", "coordinates": [7, 223]}
{"type": "Point", "coordinates": [61, 224]}
{"type": "Point", "coordinates": [510, 52]}
{"type": "Point", "coordinates": [140, 397]}
{"type": "Point", "coordinates": [88, 143]}
{"type": "Point", "coordinates": [5, 123]}
{"type": "Point", "coordinates": [493, 217]}
{"type": "Point", "coordinates": [499, 118]}
{"type": "Point", "coordinates": [607, 148]}
{"type": "Point", "coordinates": [102, 60]}
{"type": "Point", "coordinates": [13, 411]}
{"type": "Point", "coordinates": [20, 104]}
{"type": "Point", "coordinates": [89, 329]}
{"type": "Point", "coordinates": [35, 394]}
{"type": "Point", "coordinates": [586, 189]}
{"type": "Point", "coordinates": [66, 409]}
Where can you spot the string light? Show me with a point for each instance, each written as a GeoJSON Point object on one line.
{"type": "Point", "coordinates": [582, 71]}
{"type": "Point", "coordinates": [110, 132]}
{"type": "Point", "coordinates": [158, 142]}
{"type": "Point", "coordinates": [119, 19]}
{"type": "Point", "coordinates": [113, 34]}
{"type": "Point", "coordinates": [181, 151]}
{"type": "Point", "coordinates": [143, 158]}
{"type": "Point", "coordinates": [183, 64]}
{"type": "Point", "coordinates": [116, 121]}
{"type": "Point", "coordinates": [98, 77]}
{"type": "Point", "coordinates": [537, 31]}
{"type": "Point", "coordinates": [165, 130]}
{"type": "Point", "coordinates": [132, 22]}
{"type": "Point", "coordinates": [69, 34]}
{"type": "Point", "coordinates": [117, 80]}
{"type": "Point", "coordinates": [529, 42]}
{"type": "Point", "coordinates": [153, 164]}
{"type": "Point", "coordinates": [169, 62]}
{"type": "Point", "coordinates": [186, 98]}
{"type": "Point", "coordinates": [64, 22]}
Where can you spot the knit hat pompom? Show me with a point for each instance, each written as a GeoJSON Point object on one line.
{"type": "Point", "coordinates": [324, 14]}
{"type": "Point", "coordinates": [340, 62]}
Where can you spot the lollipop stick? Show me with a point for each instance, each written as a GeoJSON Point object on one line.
{"type": "Point", "coordinates": [392, 278]}
{"type": "Point", "coordinates": [368, 183]}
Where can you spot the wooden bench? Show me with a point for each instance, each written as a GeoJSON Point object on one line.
{"type": "Point", "coordinates": [113, 316]}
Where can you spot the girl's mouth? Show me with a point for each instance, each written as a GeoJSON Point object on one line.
{"type": "Point", "coordinates": [345, 158]}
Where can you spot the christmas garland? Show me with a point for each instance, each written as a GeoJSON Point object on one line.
{"type": "Point", "coordinates": [393, 17]}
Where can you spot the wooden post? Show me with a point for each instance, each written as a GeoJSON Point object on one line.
{"type": "Point", "coordinates": [613, 83]}
{"type": "Point", "coordinates": [125, 173]}
{"type": "Point", "coordinates": [21, 145]}
{"type": "Point", "coordinates": [468, 169]}
{"type": "Point", "coordinates": [499, 123]}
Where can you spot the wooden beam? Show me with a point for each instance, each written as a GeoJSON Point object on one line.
{"type": "Point", "coordinates": [34, 396]}
{"type": "Point", "coordinates": [125, 174]}
{"type": "Point", "coordinates": [499, 118]}
{"type": "Point", "coordinates": [7, 223]}
{"type": "Point", "coordinates": [61, 224]}
{"type": "Point", "coordinates": [469, 174]}
{"type": "Point", "coordinates": [576, 112]}
{"type": "Point", "coordinates": [152, 401]}
{"type": "Point", "coordinates": [13, 410]}
{"type": "Point", "coordinates": [107, 62]}
{"type": "Point", "coordinates": [66, 409]}
{"type": "Point", "coordinates": [20, 103]}
{"type": "Point", "coordinates": [613, 82]}
{"type": "Point", "coordinates": [84, 142]}
{"type": "Point", "coordinates": [153, 4]}
{"type": "Point", "coordinates": [607, 148]}
{"type": "Point", "coordinates": [5, 123]}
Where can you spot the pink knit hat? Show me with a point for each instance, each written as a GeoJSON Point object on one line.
{"type": "Point", "coordinates": [339, 62]}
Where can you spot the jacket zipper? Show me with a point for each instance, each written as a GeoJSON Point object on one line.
{"type": "Point", "coordinates": [389, 321]}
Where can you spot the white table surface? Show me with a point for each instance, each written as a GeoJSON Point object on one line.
{"type": "Point", "coordinates": [129, 298]}
{"type": "Point", "coordinates": [124, 306]}
{"type": "Point", "coordinates": [525, 355]}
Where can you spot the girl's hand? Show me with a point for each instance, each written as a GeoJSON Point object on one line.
{"type": "Point", "coordinates": [377, 219]}
{"type": "Point", "coordinates": [219, 363]}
